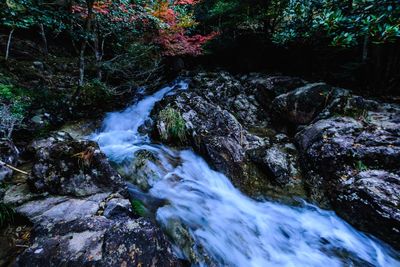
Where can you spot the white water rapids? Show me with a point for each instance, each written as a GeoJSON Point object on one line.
{"type": "Point", "coordinates": [226, 227]}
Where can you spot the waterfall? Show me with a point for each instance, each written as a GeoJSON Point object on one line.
{"type": "Point", "coordinates": [214, 224]}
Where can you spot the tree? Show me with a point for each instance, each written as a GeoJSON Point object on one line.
{"type": "Point", "coordinates": [176, 22]}
{"type": "Point", "coordinates": [14, 15]}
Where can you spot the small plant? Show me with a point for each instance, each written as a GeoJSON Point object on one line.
{"type": "Point", "coordinates": [13, 106]}
{"type": "Point", "coordinates": [138, 207]}
{"type": "Point", "coordinates": [6, 215]}
{"type": "Point", "coordinates": [360, 166]}
{"type": "Point", "coordinates": [85, 157]}
{"type": "Point", "coordinates": [174, 124]}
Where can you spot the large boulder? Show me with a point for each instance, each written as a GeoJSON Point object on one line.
{"type": "Point", "coordinates": [302, 105]}
{"type": "Point", "coordinates": [352, 160]}
{"type": "Point", "coordinates": [8, 154]}
{"type": "Point", "coordinates": [268, 87]}
{"type": "Point", "coordinates": [371, 201]}
{"type": "Point", "coordinates": [227, 125]}
{"type": "Point", "coordinates": [80, 213]}
{"type": "Point", "coordinates": [71, 232]}
{"type": "Point", "coordinates": [64, 166]}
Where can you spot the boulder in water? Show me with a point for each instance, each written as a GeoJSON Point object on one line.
{"type": "Point", "coordinates": [353, 162]}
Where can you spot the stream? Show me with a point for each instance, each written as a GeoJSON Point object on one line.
{"type": "Point", "coordinates": [211, 223]}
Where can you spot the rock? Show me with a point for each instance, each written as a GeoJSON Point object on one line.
{"type": "Point", "coordinates": [352, 164]}
{"type": "Point", "coordinates": [38, 65]}
{"type": "Point", "coordinates": [216, 134]}
{"type": "Point", "coordinates": [81, 129]}
{"type": "Point", "coordinates": [118, 207]}
{"type": "Point", "coordinates": [226, 124]}
{"type": "Point", "coordinates": [228, 92]}
{"type": "Point", "coordinates": [144, 170]}
{"type": "Point", "coordinates": [98, 241]}
{"type": "Point", "coordinates": [71, 231]}
{"type": "Point", "coordinates": [371, 201]}
{"type": "Point", "coordinates": [282, 163]}
{"type": "Point", "coordinates": [64, 166]}
{"type": "Point", "coordinates": [8, 154]}
{"type": "Point", "coordinates": [302, 105]}
{"type": "Point", "coordinates": [19, 194]}
{"type": "Point", "coordinates": [45, 213]}
{"type": "Point", "coordinates": [268, 87]}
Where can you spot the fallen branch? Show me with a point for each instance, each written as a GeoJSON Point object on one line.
{"type": "Point", "coordinates": [2, 163]}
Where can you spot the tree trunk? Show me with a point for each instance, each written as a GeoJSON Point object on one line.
{"type": "Point", "coordinates": [82, 63]}
{"type": "Point", "coordinates": [9, 44]}
{"type": "Point", "coordinates": [88, 26]}
{"type": "Point", "coordinates": [44, 39]}
{"type": "Point", "coordinates": [365, 48]}
{"type": "Point", "coordinates": [99, 55]}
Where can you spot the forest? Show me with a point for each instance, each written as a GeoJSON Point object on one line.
{"type": "Point", "coordinates": [199, 132]}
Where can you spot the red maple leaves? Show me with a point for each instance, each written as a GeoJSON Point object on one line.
{"type": "Point", "coordinates": [174, 38]}
{"type": "Point", "coordinates": [173, 26]}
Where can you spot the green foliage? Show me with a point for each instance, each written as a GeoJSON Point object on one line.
{"type": "Point", "coordinates": [14, 104]}
{"type": "Point", "coordinates": [360, 166]}
{"type": "Point", "coordinates": [7, 215]}
{"type": "Point", "coordinates": [175, 128]}
{"type": "Point", "coordinates": [138, 208]}
{"type": "Point", "coordinates": [340, 23]}
{"type": "Point", "coordinates": [94, 93]}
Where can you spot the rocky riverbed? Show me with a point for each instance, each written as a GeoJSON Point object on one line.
{"type": "Point", "coordinates": [274, 137]}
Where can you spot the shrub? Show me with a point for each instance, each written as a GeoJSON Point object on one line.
{"type": "Point", "coordinates": [93, 94]}
{"type": "Point", "coordinates": [13, 105]}
{"type": "Point", "coordinates": [174, 124]}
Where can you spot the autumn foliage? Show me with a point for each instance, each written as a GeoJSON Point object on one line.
{"type": "Point", "coordinates": [174, 20]}
{"type": "Point", "coordinates": [174, 34]}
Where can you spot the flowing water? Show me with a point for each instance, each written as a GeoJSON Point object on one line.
{"type": "Point", "coordinates": [212, 223]}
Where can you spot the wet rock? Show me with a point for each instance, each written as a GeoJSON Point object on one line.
{"type": "Point", "coordinates": [302, 105]}
{"type": "Point", "coordinates": [98, 241]}
{"type": "Point", "coordinates": [81, 129]}
{"type": "Point", "coordinates": [71, 231]}
{"type": "Point", "coordinates": [72, 167]}
{"type": "Point", "coordinates": [371, 201]}
{"type": "Point", "coordinates": [44, 213]}
{"type": "Point", "coordinates": [118, 207]}
{"type": "Point", "coordinates": [268, 87]}
{"type": "Point", "coordinates": [282, 163]}
{"type": "Point", "coordinates": [216, 134]}
{"type": "Point", "coordinates": [19, 194]}
{"type": "Point", "coordinates": [144, 170]}
{"type": "Point", "coordinates": [8, 154]}
{"type": "Point", "coordinates": [228, 126]}
{"type": "Point", "coordinates": [226, 91]}
{"type": "Point", "coordinates": [345, 156]}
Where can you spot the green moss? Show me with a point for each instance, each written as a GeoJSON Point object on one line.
{"type": "Point", "coordinates": [360, 166]}
{"type": "Point", "coordinates": [138, 207]}
{"type": "Point", "coordinates": [175, 128]}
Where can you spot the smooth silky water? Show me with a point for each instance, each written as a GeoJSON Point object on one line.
{"type": "Point", "coordinates": [213, 223]}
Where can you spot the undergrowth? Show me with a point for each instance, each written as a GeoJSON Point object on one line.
{"type": "Point", "coordinates": [175, 128]}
